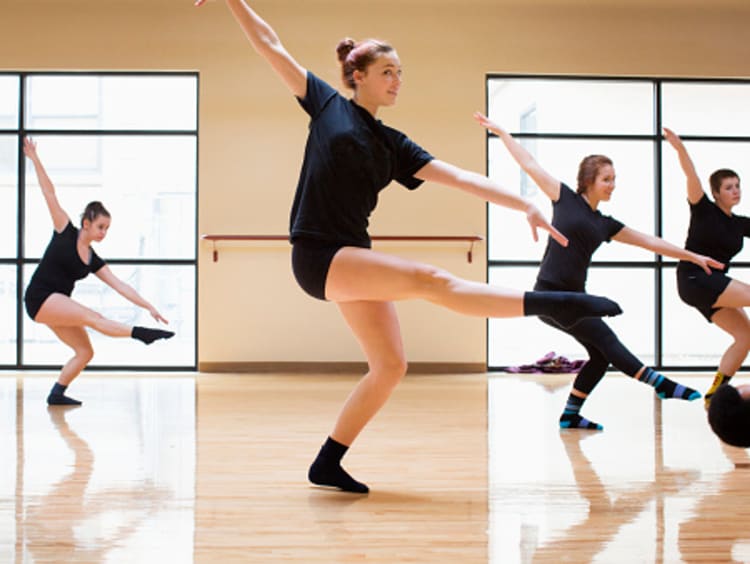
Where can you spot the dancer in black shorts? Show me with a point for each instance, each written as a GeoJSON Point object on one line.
{"type": "Point", "coordinates": [576, 214]}
{"type": "Point", "coordinates": [350, 156]}
{"type": "Point", "coordinates": [69, 258]}
{"type": "Point", "coordinates": [715, 229]}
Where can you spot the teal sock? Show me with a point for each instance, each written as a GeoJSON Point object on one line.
{"type": "Point", "coordinates": [666, 388]}
{"type": "Point", "coordinates": [571, 418]}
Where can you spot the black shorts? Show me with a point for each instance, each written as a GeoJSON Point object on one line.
{"type": "Point", "coordinates": [701, 290]}
{"type": "Point", "coordinates": [34, 298]}
{"type": "Point", "coordinates": [311, 260]}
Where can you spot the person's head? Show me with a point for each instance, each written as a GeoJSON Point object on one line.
{"type": "Point", "coordinates": [725, 187]}
{"type": "Point", "coordinates": [596, 177]}
{"type": "Point", "coordinates": [95, 220]}
{"type": "Point", "coordinates": [729, 415]}
{"type": "Point", "coordinates": [371, 68]}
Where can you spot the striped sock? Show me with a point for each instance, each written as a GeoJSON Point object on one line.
{"type": "Point", "coordinates": [571, 419]}
{"type": "Point", "coordinates": [719, 379]}
{"type": "Point", "coordinates": [666, 388]}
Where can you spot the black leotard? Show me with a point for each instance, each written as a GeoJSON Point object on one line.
{"type": "Point", "coordinates": [349, 158]}
{"type": "Point", "coordinates": [715, 234]}
{"type": "Point", "coordinates": [60, 268]}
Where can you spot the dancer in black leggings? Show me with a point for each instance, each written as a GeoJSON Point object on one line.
{"type": "Point", "coordinates": [349, 158]}
{"type": "Point", "coordinates": [577, 215]}
{"type": "Point", "coordinates": [68, 258]}
{"type": "Point", "coordinates": [715, 229]}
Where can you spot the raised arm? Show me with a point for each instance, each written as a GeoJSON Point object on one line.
{"type": "Point", "coordinates": [694, 188]}
{"type": "Point", "coordinates": [265, 41]}
{"type": "Point", "coordinates": [662, 247]}
{"type": "Point", "coordinates": [59, 218]}
{"type": "Point", "coordinates": [127, 291]}
{"type": "Point", "coordinates": [549, 184]}
{"type": "Point", "coordinates": [482, 187]}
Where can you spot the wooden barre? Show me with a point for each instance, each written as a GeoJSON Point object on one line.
{"type": "Point", "coordinates": [471, 239]}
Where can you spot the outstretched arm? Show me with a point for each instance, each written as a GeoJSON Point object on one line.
{"type": "Point", "coordinates": [265, 41]}
{"type": "Point", "coordinates": [694, 188]}
{"type": "Point", "coordinates": [127, 291]}
{"type": "Point", "coordinates": [59, 218]}
{"type": "Point", "coordinates": [549, 184]}
{"type": "Point", "coordinates": [662, 247]}
{"type": "Point", "coordinates": [481, 186]}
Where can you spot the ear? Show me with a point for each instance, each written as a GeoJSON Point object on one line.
{"type": "Point", "coordinates": [86, 223]}
{"type": "Point", "coordinates": [358, 76]}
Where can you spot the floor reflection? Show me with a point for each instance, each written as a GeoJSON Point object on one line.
{"type": "Point", "coordinates": [111, 481]}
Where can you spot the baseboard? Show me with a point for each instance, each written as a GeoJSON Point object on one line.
{"type": "Point", "coordinates": [336, 367]}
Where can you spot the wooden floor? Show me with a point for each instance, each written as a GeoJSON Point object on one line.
{"type": "Point", "coordinates": [465, 468]}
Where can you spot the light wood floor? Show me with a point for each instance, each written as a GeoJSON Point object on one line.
{"type": "Point", "coordinates": [463, 468]}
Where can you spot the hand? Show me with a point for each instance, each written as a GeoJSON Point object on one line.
{"type": "Point", "coordinates": [156, 315]}
{"type": "Point", "coordinates": [707, 263]}
{"type": "Point", "coordinates": [199, 3]}
{"type": "Point", "coordinates": [486, 122]}
{"type": "Point", "coordinates": [29, 148]}
{"type": "Point", "coordinates": [672, 138]}
{"type": "Point", "coordinates": [537, 220]}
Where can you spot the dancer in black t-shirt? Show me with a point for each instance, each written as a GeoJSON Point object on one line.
{"type": "Point", "coordinates": [715, 229]}
{"type": "Point", "coordinates": [68, 258]}
{"type": "Point", "coordinates": [349, 157]}
{"type": "Point", "coordinates": [576, 214]}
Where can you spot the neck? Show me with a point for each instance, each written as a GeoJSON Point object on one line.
{"type": "Point", "coordinates": [371, 107]}
{"type": "Point", "coordinates": [725, 208]}
{"type": "Point", "coordinates": [592, 202]}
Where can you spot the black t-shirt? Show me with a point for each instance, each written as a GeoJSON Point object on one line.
{"type": "Point", "coordinates": [565, 268]}
{"type": "Point", "coordinates": [714, 233]}
{"type": "Point", "coordinates": [61, 265]}
{"type": "Point", "coordinates": [349, 158]}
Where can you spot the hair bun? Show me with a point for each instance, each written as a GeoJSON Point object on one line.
{"type": "Point", "coordinates": [345, 47]}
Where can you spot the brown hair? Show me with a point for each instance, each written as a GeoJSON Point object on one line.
{"type": "Point", "coordinates": [588, 169]}
{"type": "Point", "coordinates": [718, 177]}
{"type": "Point", "coordinates": [94, 210]}
{"type": "Point", "coordinates": [358, 56]}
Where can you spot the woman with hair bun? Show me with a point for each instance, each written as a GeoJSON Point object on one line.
{"type": "Point", "coordinates": [577, 215]}
{"type": "Point", "coordinates": [350, 157]}
{"type": "Point", "coordinates": [68, 258]}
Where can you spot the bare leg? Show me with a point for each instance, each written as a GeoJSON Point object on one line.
{"type": "Point", "coordinates": [59, 310]}
{"type": "Point", "coordinates": [736, 295]}
{"type": "Point", "coordinates": [77, 339]}
{"type": "Point", "coordinates": [736, 323]}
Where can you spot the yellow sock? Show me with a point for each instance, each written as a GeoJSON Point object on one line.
{"type": "Point", "coordinates": [719, 379]}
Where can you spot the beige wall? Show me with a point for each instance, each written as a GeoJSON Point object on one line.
{"type": "Point", "coordinates": [252, 132]}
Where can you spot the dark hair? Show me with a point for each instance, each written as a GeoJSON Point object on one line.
{"type": "Point", "coordinates": [588, 169]}
{"type": "Point", "coordinates": [729, 416]}
{"type": "Point", "coordinates": [94, 210]}
{"type": "Point", "coordinates": [718, 177]}
{"type": "Point", "coordinates": [358, 56]}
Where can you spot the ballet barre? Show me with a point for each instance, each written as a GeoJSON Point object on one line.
{"type": "Point", "coordinates": [471, 239]}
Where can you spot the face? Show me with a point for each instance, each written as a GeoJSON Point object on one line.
{"type": "Point", "coordinates": [381, 81]}
{"type": "Point", "coordinates": [97, 229]}
{"type": "Point", "coordinates": [729, 193]}
{"type": "Point", "coordinates": [604, 184]}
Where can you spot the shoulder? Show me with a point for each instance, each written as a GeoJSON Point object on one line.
{"type": "Point", "coordinates": [317, 94]}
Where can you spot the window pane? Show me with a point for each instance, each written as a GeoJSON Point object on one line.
{"type": "Point", "coordinates": [689, 340]}
{"type": "Point", "coordinates": [514, 342]}
{"type": "Point", "coordinates": [112, 102]}
{"type": "Point", "coordinates": [9, 92]}
{"type": "Point", "coordinates": [146, 182]}
{"type": "Point", "coordinates": [707, 157]}
{"type": "Point", "coordinates": [632, 202]}
{"type": "Point", "coordinates": [706, 108]}
{"type": "Point", "coordinates": [572, 106]}
{"type": "Point", "coordinates": [171, 289]}
{"type": "Point", "coordinates": [8, 196]}
{"type": "Point", "coordinates": [7, 314]}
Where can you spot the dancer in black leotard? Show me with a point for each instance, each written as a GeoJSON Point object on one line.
{"type": "Point", "coordinates": [577, 215]}
{"type": "Point", "coordinates": [69, 258]}
{"type": "Point", "coordinates": [350, 156]}
{"type": "Point", "coordinates": [715, 229]}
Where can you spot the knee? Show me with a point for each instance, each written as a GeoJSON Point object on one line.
{"type": "Point", "coordinates": [390, 371]}
{"type": "Point", "coordinates": [742, 341]}
{"type": "Point", "coordinates": [85, 354]}
{"type": "Point", "coordinates": [432, 280]}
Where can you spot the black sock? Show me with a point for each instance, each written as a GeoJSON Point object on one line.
{"type": "Point", "coordinates": [326, 469]}
{"type": "Point", "coordinates": [57, 396]}
{"type": "Point", "coordinates": [148, 335]}
{"type": "Point", "coordinates": [566, 308]}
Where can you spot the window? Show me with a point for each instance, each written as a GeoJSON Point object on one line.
{"type": "Point", "coordinates": [129, 140]}
{"type": "Point", "coordinates": [563, 119]}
